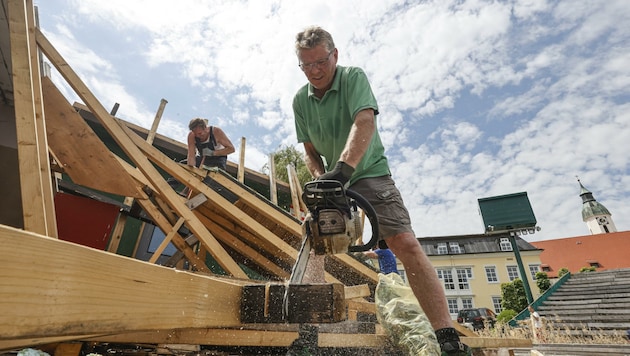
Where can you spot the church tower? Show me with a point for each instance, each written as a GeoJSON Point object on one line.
{"type": "Point", "coordinates": [595, 215]}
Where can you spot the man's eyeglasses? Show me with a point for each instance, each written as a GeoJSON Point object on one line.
{"type": "Point", "coordinates": [319, 64]}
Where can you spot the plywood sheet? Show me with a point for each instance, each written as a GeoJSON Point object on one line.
{"type": "Point", "coordinates": [84, 157]}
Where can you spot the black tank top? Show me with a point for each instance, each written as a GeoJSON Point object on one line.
{"type": "Point", "coordinates": [210, 161]}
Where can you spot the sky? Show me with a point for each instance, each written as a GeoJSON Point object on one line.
{"type": "Point", "coordinates": [477, 98]}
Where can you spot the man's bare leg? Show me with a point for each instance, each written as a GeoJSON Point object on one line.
{"type": "Point", "coordinates": [422, 278]}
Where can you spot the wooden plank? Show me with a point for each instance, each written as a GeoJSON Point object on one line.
{"type": "Point", "coordinates": [214, 198]}
{"type": "Point", "coordinates": [57, 286]}
{"type": "Point", "coordinates": [34, 182]}
{"type": "Point", "coordinates": [273, 191]}
{"type": "Point", "coordinates": [360, 291]}
{"type": "Point", "coordinates": [121, 137]}
{"type": "Point", "coordinates": [241, 162]}
{"type": "Point", "coordinates": [165, 225]}
{"type": "Point", "coordinates": [242, 337]}
{"type": "Point", "coordinates": [84, 157]}
{"type": "Point", "coordinates": [156, 121]}
{"type": "Point", "coordinates": [166, 241]}
{"type": "Point", "coordinates": [464, 330]}
{"type": "Point", "coordinates": [236, 244]}
{"type": "Point", "coordinates": [14, 344]}
{"type": "Point", "coordinates": [286, 222]}
{"type": "Point", "coordinates": [40, 125]}
{"type": "Point", "coordinates": [291, 225]}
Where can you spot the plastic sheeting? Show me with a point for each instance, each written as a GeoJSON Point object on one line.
{"type": "Point", "coordinates": [403, 319]}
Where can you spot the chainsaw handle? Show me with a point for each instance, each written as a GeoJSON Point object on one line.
{"type": "Point", "coordinates": [371, 215]}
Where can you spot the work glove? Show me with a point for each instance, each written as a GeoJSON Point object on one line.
{"type": "Point", "coordinates": [207, 152]}
{"type": "Point", "coordinates": [342, 173]}
{"type": "Point", "coordinates": [450, 343]}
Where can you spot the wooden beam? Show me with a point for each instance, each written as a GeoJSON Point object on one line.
{"type": "Point", "coordinates": [241, 162]}
{"type": "Point", "coordinates": [35, 177]}
{"type": "Point", "coordinates": [156, 121]}
{"type": "Point", "coordinates": [273, 191]}
{"type": "Point", "coordinates": [236, 337]}
{"type": "Point", "coordinates": [60, 288]}
{"type": "Point", "coordinates": [166, 241]}
{"type": "Point", "coordinates": [119, 134]}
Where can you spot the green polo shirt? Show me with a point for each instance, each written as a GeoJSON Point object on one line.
{"type": "Point", "coordinates": [326, 122]}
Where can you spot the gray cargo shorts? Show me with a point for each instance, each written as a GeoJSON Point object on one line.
{"type": "Point", "coordinates": [381, 192]}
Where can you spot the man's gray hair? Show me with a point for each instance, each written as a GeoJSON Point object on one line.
{"type": "Point", "coordinates": [312, 37]}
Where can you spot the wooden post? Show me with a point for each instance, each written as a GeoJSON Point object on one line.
{"type": "Point", "coordinates": [241, 162]}
{"type": "Point", "coordinates": [156, 121]}
{"type": "Point", "coordinates": [35, 175]}
{"type": "Point", "coordinates": [296, 192]}
{"type": "Point", "coordinates": [273, 194]}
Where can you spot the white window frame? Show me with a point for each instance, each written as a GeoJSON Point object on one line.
{"type": "Point", "coordinates": [533, 269]}
{"type": "Point", "coordinates": [455, 248]}
{"type": "Point", "coordinates": [511, 269]}
{"type": "Point", "coordinates": [442, 248]}
{"type": "Point", "coordinates": [491, 274]}
{"type": "Point", "coordinates": [496, 304]}
{"type": "Point", "coordinates": [506, 245]}
{"type": "Point", "coordinates": [446, 276]}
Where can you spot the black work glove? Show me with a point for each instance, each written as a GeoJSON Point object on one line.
{"type": "Point", "coordinates": [342, 173]}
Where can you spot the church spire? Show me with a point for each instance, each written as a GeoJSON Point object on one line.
{"type": "Point", "coordinates": [597, 218]}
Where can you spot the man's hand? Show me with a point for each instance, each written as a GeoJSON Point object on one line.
{"type": "Point", "coordinates": [207, 152]}
{"type": "Point", "coordinates": [342, 173]}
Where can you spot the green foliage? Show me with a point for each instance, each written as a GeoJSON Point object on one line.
{"type": "Point", "coordinates": [588, 269]}
{"type": "Point", "coordinates": [542, 281]}
{"type": "Point", "coordinates": [506, 315]}
{"type": "Point", "coordinates": [289, 155]}
{"type": "Point", "coordinates": [562, 271]}
{"type": "Point", "coordinates": [513, 295]}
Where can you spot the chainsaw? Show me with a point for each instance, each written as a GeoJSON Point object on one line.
{"type": "Point", "coordinates": [333, 224]}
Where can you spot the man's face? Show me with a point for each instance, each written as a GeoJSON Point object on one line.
{"type": "Point", "coordinates": [318, 65]}
{"type": "Point", "coordinates": [199, 132]}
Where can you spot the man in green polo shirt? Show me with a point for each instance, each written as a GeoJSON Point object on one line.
{"type": "Point", "coordinates": [335, 119]}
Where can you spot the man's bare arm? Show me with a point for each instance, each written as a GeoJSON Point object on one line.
{"type": "Point", "coordinates": [313, 160]}
{"type": "Point", "coordinates": [359, 139]}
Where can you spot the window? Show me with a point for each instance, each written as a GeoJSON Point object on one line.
{"type": "Point", "coordinates": [545, 268]}
{"type": "Point", "coordinates": [593, 263]}
{"type": "Point", "coordinates": [452, 305]}
{"type": "Point", "coordinates": [506, 245]}
{"type": "Point", "coordinates": [496, 304]}
{"type": "Point", "coordinates": [463, 274]}
{"type": "Point", "coordinates": [442, 249]}
{"type": "Point", "coordinates": [446, 276]}
{"type": "Point", "coordinates": [491, 274]}
{"type": "Point", "coordinates": [455, 248]}
{"type": "Point", "coordinates": [512, 272]}
{"type": "Point", "coordinates": [533, 269]}
{"type": "Point", "coordinates": [467, 303]}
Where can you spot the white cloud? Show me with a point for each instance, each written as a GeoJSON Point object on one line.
{"type": "Point", "coordinates": [476, 98]}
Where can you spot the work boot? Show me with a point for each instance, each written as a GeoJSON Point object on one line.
{"type": "Point", "coordinates": [306, 343]}
{"type": "Point", "coordinates": [450, 343]}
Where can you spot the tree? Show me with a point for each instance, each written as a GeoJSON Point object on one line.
{"type": "Point", "coordinates": [542, 281]}
{"type": "Point", "coordinates": [513, 295]}
{"type": "Point", "coordinates": [588, 269]}
{"type": "Point", "coordinates": [284, 156]}
{"type": "Point", "coordinates": [506, 315]}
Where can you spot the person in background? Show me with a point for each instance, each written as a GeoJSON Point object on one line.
{"type": "Point", "coordinates": [335, 119]}
{"type": "Point", "coordinates": [386, 260]}
{"type": "Point", "coordinates": [211, 143]}
{"type": "Point", "coordinates": [536, 324]}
